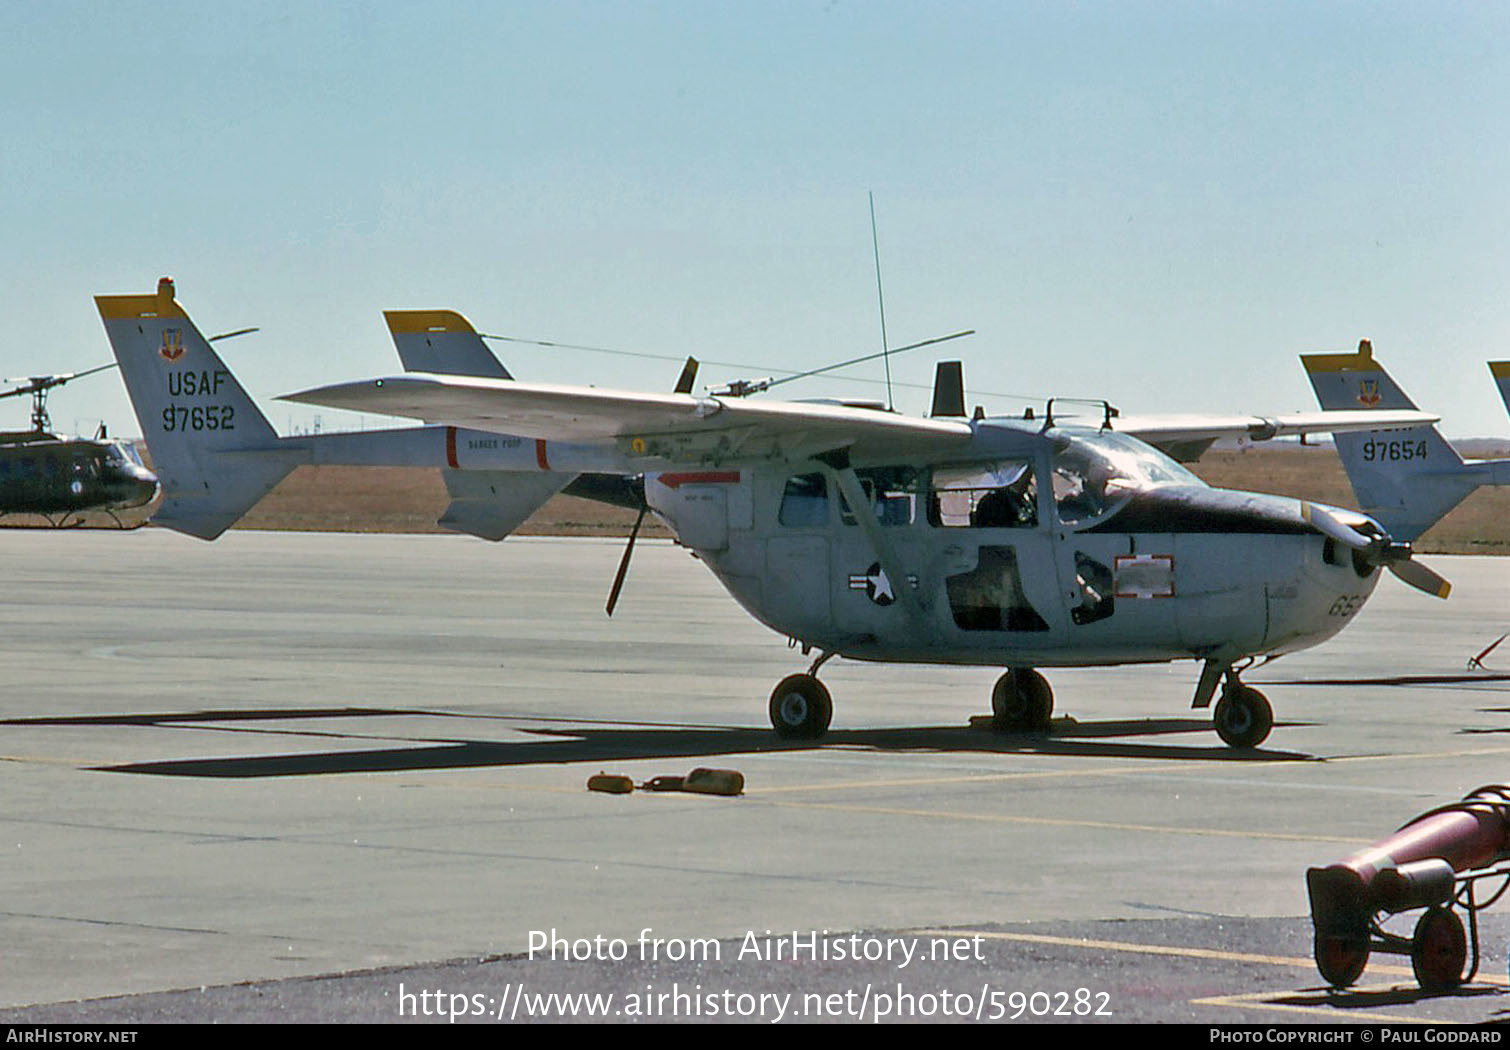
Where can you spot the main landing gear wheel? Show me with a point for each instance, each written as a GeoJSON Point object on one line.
{"type": "Point", "coordinates": [801, 707]}
{"type": "Point", "coordinates": [1438, 950]}
{"type": "Point", "coordinates": [1022, 701]}
{"type": "Point", "coordinates": [1243, 717]}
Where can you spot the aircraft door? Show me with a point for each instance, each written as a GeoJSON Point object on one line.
{"type": "Point", "coordinates": [1119, 588]}
{"type": "Point", "coordinates": [996, 556]}
{"type": "Point", "coordinates": [795, 588]}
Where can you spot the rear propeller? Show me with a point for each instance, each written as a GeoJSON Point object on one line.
{"type": "Point", "coordinates": [1375, 549]}
{"type": "Point", "coordinates": [684, 384]}
{"type": "Point", "coordinates": [618, 578]}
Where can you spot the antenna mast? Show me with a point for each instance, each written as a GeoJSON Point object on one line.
{"type": "Point", "coordinates": [880, 299]}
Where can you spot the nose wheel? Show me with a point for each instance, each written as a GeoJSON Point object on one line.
{"type": "Point", "coordinates": [1243, 716]}
{"type": "Point", "coordinates": [1022, 702]}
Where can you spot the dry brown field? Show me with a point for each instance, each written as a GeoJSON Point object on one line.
{"type": "Point", "coordinates": [410, 499]}
{"type": "Point", "coordinates": [400, 499]}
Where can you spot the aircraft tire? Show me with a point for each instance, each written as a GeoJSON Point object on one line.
{"type": "Point", "coordinates": [1022, 701]}
{"type": "Point", "coordinates": [801, 708]}
{"type": "Point", "coordinates": [1243, 717]}
{"type": "Point", "coordinates": [1438, 950]}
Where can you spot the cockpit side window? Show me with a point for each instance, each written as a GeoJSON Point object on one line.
{"type": "Point", "coordinates": [1080, 487]}
{"type": "Point", "coordinates": [892, 493]}
{"type": "Point", "coordinates": [999, 495]}
{"type": "Point", "coordinates": [804, 503]}
{"type": "Point", "coordinates": [1094, 476]}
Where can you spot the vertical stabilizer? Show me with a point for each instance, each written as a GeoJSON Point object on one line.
{"type": "Point", "coordinates": [196, 418]}
{"type": "Point", "coordinates": [1407, 479]}
{"type": "Point", "coordinates": [486, 503]}
{"type": "Point", "coordinates": [1501, 372]}
{"type": "Point", "coordinates": [441, 341]}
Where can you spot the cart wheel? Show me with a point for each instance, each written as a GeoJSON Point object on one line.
{"type": "Point", "coordinates": [1341, 958]}
{"type": "Point", "coordinates": [1438, 950]}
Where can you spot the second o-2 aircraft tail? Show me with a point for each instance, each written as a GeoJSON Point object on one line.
{"type": "Point", "coordinates": [198, 421]}
{"type": "Point", "coordinates": [1407, 479]}
{"type": "Point", "coordinates": [486, 503]}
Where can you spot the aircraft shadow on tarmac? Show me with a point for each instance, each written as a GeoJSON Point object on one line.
{"type": "Point", "coordinates": [579, 741]}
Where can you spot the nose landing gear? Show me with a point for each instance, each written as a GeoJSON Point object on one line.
{"type": "Point", "coordinates": [1243, 716]}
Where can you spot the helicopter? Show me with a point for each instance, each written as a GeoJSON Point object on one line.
{"type": "Point", "coordinates": [63, 478]}
{"type": "Point", "coordinates": [1016, 542]}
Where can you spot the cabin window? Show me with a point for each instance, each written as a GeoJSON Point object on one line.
{"type": "Point", "coordinates": [804, 504]}
{"type": "Point", "coordinates": [892, 493]}
{"type": "Point", "coordinates": [1000, 495]}
{"type": "Point", "coordinates": [1097, 590]}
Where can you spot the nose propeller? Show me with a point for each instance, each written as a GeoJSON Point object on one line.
{"type": "Point", "coordinates": [1376, 548]}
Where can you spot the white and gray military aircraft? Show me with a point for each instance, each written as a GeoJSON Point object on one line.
{"type": "Point", "coordinates": [1023, 542]}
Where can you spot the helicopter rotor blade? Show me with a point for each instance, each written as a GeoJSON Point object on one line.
{"type": "Point", "coordinates": [32, 384]}
{"type": "Point", "coordinates": [232, 335]}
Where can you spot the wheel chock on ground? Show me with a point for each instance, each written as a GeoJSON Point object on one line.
{"type": "Point", "coordinates": [715, 782]}
{"type": "Point", "coordinates": [698, 782]}
{"type": "Point", "coordinates": [610, 783]}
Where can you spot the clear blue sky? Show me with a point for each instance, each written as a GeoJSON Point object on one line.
{"type": "Point", "coordinates": [1158, 203]}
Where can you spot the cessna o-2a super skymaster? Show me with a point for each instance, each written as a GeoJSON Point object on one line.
{"type": "Point", "coordinates": [1008, 542]}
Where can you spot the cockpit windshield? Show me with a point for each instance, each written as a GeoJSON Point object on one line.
{"type": "Point", "coordinates": [1092, 476]}
{"type": "Point", "coordinates": [123, 452]}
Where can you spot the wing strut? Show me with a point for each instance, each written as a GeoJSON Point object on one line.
{"type": "Point", "coordinates": [836, 466]}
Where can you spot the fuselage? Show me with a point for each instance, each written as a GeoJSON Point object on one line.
{"type": "Point", "coordinates": [45, 474]}
{"type": "Point", "coordinates": [1029, 547]}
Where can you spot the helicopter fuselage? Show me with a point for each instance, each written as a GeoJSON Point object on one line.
{"type": "Point", "coordinates": [48, 474]}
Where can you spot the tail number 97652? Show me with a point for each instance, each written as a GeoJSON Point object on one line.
{"type": "Point", "coordinates": [199, 417]}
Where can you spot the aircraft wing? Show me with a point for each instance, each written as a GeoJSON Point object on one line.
{"type": "Point", "coordinates": [673, 427]}
{"type": "Point", "coordinates": [1185, 437]}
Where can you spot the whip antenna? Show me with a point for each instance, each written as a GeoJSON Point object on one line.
{"type": "Point", "coordinates": [880, 299]}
